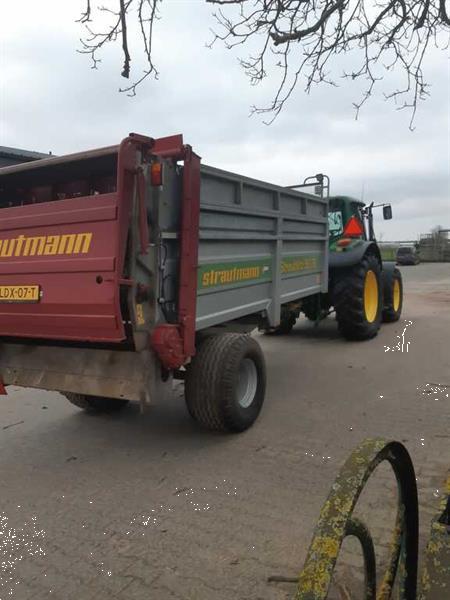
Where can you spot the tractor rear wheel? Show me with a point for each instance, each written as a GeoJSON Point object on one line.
{"type": "Point", "coordinates": [225, 382]}
{"type": "Point", "coordinates": [96, 404]}
{"type": "Point", "coordinates": [357, 298]}
{"type": "Point", "coordinates": [392, 295]}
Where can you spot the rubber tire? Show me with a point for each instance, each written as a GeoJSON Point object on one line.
{"type": "Point", "coordinates": [211, 382]}
{"type": "Point", "coordinates": [284, 328]}
{"type": "Point", "coordinates": [390, 315]}
{"type": "Point", "coordinates": [310, 308]}
{"type": "Point", "coordinates": [348, 300]}
{"type": "Point", "coordinates": [96, 404]}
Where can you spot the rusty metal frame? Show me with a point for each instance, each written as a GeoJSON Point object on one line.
{"type": "Point", "coordinates": [175, 343]}
{"type": "Point", "coordinates": [336, 522]}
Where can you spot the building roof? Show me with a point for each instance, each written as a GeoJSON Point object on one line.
{"type": "Point", "coordinates": [20, 154]}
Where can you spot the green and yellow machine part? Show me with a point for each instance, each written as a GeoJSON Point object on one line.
{"type": "Point", "coordinates": [336, 522]}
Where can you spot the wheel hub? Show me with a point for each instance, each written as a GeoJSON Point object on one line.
{"type": "Point", "coordinates": [370, 296]}
{"type": "Point", "coordinates": [396, 296]}
{"type": "Point", "coordinates": [247, 383]}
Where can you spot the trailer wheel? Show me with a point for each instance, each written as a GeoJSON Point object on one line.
{"type": "Point", "coordinates": [96, 404]}
{"type": "Point", "coordinates": [357, 298]}
{"type": "Point", "coordinates": [392, 295]}
{"type": "Point", "coordinates": [226, 382]}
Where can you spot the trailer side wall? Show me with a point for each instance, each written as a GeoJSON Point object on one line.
{"type": "Point", "coordinates": [260, 246]}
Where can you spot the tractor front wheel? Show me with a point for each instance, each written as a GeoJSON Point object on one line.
{"type": "Point", "coordinates": [357, 298]}
{"type": "Point", "coordinates": [392, 295]}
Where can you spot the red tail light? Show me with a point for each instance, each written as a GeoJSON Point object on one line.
{"type": "Point", "coordinates": [353, 228]}
{"type": "Point", "coordinates": [344, 242]}
{"type": "Point", "coordinates": [156, 174]}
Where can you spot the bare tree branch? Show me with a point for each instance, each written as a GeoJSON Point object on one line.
{"type": "Point", "coordinates": [306, 36]}
{"type": "Point", "coordinates": [298, 42]}
{"type": "Point", "coordinates": [86, 16]}
{"type": "Point", "coordinates": [443, 14]}
{"type": "Point", "coordinates": [141, 13]}
{"type": "Point", "coordinates": [126, 53]}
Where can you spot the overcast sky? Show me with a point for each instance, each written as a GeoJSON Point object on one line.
{"type": "Point", "coordinates": [52, 101]}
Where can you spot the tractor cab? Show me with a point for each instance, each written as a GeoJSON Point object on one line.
{"type": "Point", "coordinates": [350, 221]}
{"type": "Point", "coordinates": [363, 289]}
{"type": "Point", "coordinates": [345, 213]}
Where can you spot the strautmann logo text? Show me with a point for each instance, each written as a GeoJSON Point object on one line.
{"type": "Point", "coordinates": [46, 245]}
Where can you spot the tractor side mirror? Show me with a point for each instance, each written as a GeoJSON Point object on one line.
{"type": "Point", "coordinates": [387, 212]}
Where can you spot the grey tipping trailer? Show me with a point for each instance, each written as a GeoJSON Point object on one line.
{"type": "Point", "coordinates": [261, 247]}
{"type": "Point", "coordinates": [183, 259]}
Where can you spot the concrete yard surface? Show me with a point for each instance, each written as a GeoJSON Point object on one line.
{"type": "Point", "coordinates": [152, 507]}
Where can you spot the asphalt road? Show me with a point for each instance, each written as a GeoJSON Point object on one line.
{"type": "Point", "coordinates": [151, 507]}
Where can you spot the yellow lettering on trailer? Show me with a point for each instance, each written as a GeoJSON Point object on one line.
{"type": "Point", "coordinates": [232, 275]}
{"type": "Point", "coordinates": [67, 244]}
{"type": "Point", "coordinates": [6, 248]}
{"type": "Point", "coordinates": [34, 246]}
{"type": "Point", "coordinates": [52, 245]}
{"type": "Point", "coordinates": [46, 245]}
{"type": "Point", "coordinates": [20, 240]}
{"type": "Point", "coordinates": [83, 243]}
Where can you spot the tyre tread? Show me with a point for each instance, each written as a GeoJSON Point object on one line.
{"type": "Point", "coordinates": [348, 295]}
{"type": "Point", "coordinates": [390, 315]}
{"type": "Point", "coordinates": [210, 380]}
{"type": "Point", "coordinates": [96, 404]}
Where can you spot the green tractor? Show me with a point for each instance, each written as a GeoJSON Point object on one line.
{"type": "Point", "coordinates": [363, 289]}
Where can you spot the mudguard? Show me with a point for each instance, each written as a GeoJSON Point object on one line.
{"type": "Point", "coordinates": [348, 258]}
{"type": "Point", "coordinates": [386, 279]}
{"type": "Point", "coordinates": [388, 267]}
